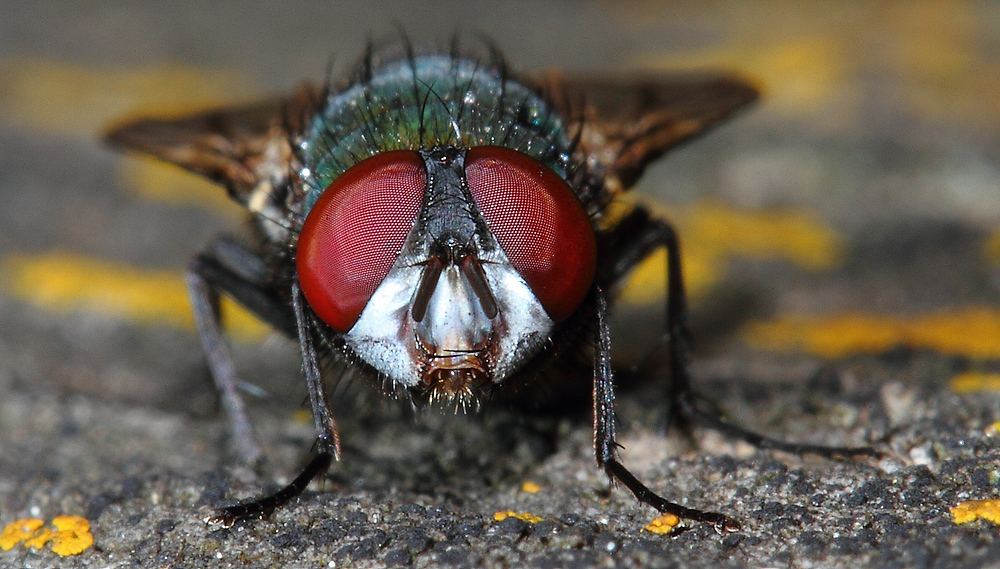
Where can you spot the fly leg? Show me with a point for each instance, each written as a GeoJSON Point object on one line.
{"type": "Point", "coordinates": [605, 445]}
{"type": "Point", "coordinates": [226, 266]}
{"type": "Point", "coordinates": [636, 237]}
{"type": "Point", "coordinates": [328, 440]}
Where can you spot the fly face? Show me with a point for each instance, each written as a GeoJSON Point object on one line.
{"type": "Point", "coordinates": [433, 280]}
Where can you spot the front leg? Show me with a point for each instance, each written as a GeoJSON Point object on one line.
{"type": "Point", "coordinates": [634, 239]}
{"type": "Point", "coordinates": [328, 440]}
{"type": "Point", "coordinates": [637, 236]}
{"type": "Point", "coordinates": [326, 427]}
{"type": "Point", "coordinates": [605, 444]}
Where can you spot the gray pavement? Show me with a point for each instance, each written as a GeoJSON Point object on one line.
{"type": "Point", "coordinates": [116, 421]}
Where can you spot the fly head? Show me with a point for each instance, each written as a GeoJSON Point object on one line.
{"type": "Point", "coordinates": [446, 260]}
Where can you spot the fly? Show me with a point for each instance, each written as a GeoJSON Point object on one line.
{"type": "Point", "coordinates": [437, 222]}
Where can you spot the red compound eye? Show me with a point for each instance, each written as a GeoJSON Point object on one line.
{"type": "Point", "coordinates": [353, 234]}
{"type": "Point", "coordinates": [539, 222]}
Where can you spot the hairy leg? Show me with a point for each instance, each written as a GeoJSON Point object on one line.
{"type": "Point", "coordinates": [605, 444]}
{"type": "Point", "coordinates": [328, 440]}
{"type": "Point", "coordinates": [634, 239]}
{"type": "Point", "coordinates": [228, 267]}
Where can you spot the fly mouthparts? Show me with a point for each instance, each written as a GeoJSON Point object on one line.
{"type": "Point", "coordinates": [458, 385]}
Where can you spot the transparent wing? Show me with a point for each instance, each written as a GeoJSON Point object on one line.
{"type": "Point", "coordinates": [236, 147]}
{"type": "Point", "coordinates": [631, 119]}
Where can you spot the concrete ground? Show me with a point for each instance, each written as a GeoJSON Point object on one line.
{"type": "Point", "coordinates": [879, 120]}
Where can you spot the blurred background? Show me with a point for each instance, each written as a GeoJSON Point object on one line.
{"type": "Point", "coordinates": [858, 199]}
{"type": "Point", "coordinates": [854, 210]}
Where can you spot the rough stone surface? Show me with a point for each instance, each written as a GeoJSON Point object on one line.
{"type": "Point", "coordinates": [118, 423]}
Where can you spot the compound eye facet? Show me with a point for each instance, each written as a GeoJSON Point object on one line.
{"type": "Point", "coordinates": [540, 224]}
{"type": "Point", "coordinates": [353, 234]}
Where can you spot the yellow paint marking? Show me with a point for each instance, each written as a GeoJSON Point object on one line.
{"type": "Point", "coordinates": [801, 74]}
{"type": "Point", "coordinates": [796, 235]}
{"type": "Point", "coordinates": [35, 93]}
{"type": "Point", "coordinates": [663, 524]}
{"type": "Point", "coordinates": [530, 487]}
{"type": "Point", "coordinates": [71, 535]}
{"type": "Point", "coordinates": [712, 233]}
{"type": "Point", "coordinates": [973, 510]}
{"type": "Point", "coordinates": [992, 248]}
{"type": "Point", "coordinates": [81, 101]}
{"type": "Point", "coordinates": [19, 530]}
{"type": "Point", "coordinates": [971, 331]}
{"type": "Point", "coordinates": [525, 516]}
{"type": "Point", "coordinates": [971, 381]}
{"type": "Point", "coordinates": [64, 282]}
{"type": "Point", "coordinates": [938, 58]}
{"type": "Point", "coordinates": [158, 181]}
{"type": "Point", "coordinates": [934, 63]}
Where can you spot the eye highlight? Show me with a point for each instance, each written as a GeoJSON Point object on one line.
{"type": "Point", "coordinates": [540, 224]}
{"type": "Point", "coordinates": [354, 232]}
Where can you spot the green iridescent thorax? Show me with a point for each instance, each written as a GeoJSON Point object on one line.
{"type": "Point", "coordinates": [425, 102]}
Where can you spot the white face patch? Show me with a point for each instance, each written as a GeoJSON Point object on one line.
{"type": "Point", "coordinates": [382, 336]}
{"type": "Point", "coordinates": [523, 325]}
{"type": "Point", "coordinates": [386, 336]}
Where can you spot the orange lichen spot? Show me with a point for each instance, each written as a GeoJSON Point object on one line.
{"type": "Point", "coordinates": [712, 234]}
{"type": "Point", "coordinates": [19, 530]}
{"type": "Point", "coordinates": [70, 536]}
{"type": "Point", "coordinates": [971, 331]}
{"type": "Point", "coordinates": [972, 381]}
{"type": "Point", "coordinates": [39, 540]}
{"type": "Point", "coordinates": [973, 510]}
{"type": "Point", "coordinates": [663, 524]}
{"type": "Point", "coordinates": [524, 516]}
{"type": "Point", "coordinates": [65, 282]}
{"type": "Point", "coordinates": [530, 487]}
